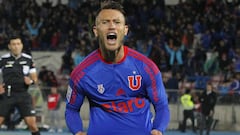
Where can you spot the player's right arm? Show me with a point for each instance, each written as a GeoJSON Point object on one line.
{"type": "Point", "coordinates": [74, 101]}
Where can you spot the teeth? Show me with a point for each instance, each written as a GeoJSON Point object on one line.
{"type": "Point", "coordinates": [110, 34]}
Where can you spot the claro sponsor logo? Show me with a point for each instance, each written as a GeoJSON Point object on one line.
{"type": "Point", "coordinates": [125, 107]}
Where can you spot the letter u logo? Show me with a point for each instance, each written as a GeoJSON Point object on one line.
{"type": "Point", "coordinates": [134, 82]}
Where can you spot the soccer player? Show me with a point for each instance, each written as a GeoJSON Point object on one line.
{"type": "Point", "coordinates": [17, 73]}
{"type": "Point", "coordinates": [119, 82]}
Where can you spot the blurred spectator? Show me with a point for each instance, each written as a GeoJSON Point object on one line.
{"type": "Point", "coordinates": [33, 27]}
{"type": "Point", "coordinates": [224, 90]}
{"type": "Point", "coordinates": [200, 58]}
{"type": "Point", "coordinates": [188, 107]}
{"type": "Point", "coordinates": [172, 85]}
{"type": "Point", "coordinates": [79, 53]}
{"type": "Point", "coordinates": [42, 75]}
{"type": "Point", "coordinates": [47, 79]}
{"type": "Point", "coordinates": [197, 29]}
{"type": "Point", "coordinates": [206, 40]}
{"type": "Point", "coordinates": [44, 38]}
{"type": "Point", "coordinates": [200, 81]}
{"type": "Point", "coordinates": [144, 47]}
{"type": "Point", "coordinates": [189, 65]}
{"type": "Point", "coordinates": [237, 39]}
{"type": "Point", "coordinates": [224, 65]}
{"type": "Point", "coordinates": [211, 65]}
{"type": "Point", "coordinates": [160, 57]}
{"type": "Point", "coordinates": [188, 37]}
{"type": "Point", "coordinates": [222, 47]}
{"type": "Point", "coordinates": [67, 63]}
{"type": "Point", "coordinates": [208, 101]}
{"type": "Point", "coordinates": [78, 57]}
{"type": "Point", "coordinates": [175, 50]}
{"type": "Point", "coordinates": [236, 63]}
{"type": "Point", "coordinates": [235, 84]}
{"type": "Point", "coordinates": [55, 39]}
{"type": "Point", "coordinates": [54, 102]}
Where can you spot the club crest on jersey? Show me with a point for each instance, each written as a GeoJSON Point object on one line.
{"type": "Point", "coordinates": [134, 82]}
{"type": "Point", "coordinates": [100, 89]}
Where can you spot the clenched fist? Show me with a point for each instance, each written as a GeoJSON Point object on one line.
{"type": "Point", "coordinates": [156, 132]}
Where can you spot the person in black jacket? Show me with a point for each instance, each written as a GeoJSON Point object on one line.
{"type": "Point", "coordinates": [208, 101]}
{"type": "Point", "coordinates": [18, 72]}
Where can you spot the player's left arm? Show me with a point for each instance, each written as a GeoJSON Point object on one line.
{"type": "Point", "coordinates": [157, 94]}
{"type": "Point", "coordinates": [74, 101]}
{"type": "Point", "coordinates": [32, 78]}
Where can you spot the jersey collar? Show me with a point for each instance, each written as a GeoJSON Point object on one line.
{"type": "Point", "coordinates": [124, 57]}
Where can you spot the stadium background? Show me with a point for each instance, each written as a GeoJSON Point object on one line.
{"type": "Point", "coordinates": [55, 32]}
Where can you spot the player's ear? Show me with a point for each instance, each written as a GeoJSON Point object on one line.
{"type": "Point", "coordinates": [126, 30]}
{"type": "Point", "coordinates": [9, 46]}
{"type": "Point", "coordinates": [95, 30]}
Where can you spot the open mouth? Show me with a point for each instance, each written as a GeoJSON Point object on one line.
{"type": "Point", "coordinates": [112, 36]}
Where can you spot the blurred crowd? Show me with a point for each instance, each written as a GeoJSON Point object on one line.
{"type": "Point", "coordinates": [192, 42]}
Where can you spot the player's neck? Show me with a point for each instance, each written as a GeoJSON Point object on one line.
{"type": "Point", "coordinates": [16, 56]}
{"type": "Point", "coordinates": [113, 56]}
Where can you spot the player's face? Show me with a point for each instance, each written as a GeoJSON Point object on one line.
{"type": "Point", "coordinates": [209, 87]}
{"type": "Point", "coordinates": [15, 46]}
{"type": "Point", "coordinates": [110, 29]}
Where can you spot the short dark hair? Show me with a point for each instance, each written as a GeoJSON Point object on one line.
{"type": "Point", "coordinates": [13, 36]}
{"type": "Point", "coordinates": [110, 4]}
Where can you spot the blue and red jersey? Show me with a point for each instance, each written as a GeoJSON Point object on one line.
{"type": "Point", "coordinates": [119, 94]}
